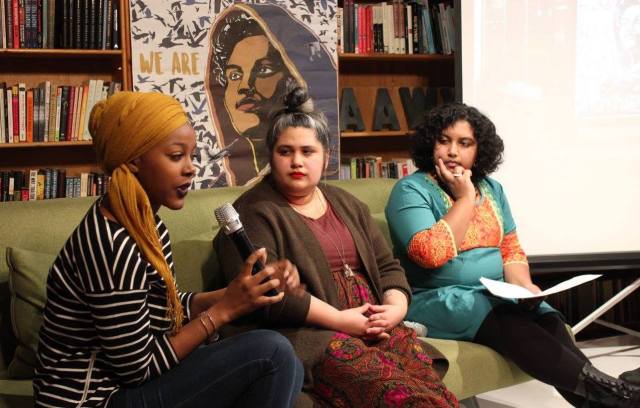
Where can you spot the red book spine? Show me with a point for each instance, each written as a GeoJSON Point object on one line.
{"type": "Point", "coordinates": [365, 29]}
{"type": "Point", "coordinates": [72, 94]}
{"type": "Point", "coordinates": [15, 22]}
{"type": "Point", "coordinates": [361, 23]}
{"type": "Point", "coordinates": [369, 29]}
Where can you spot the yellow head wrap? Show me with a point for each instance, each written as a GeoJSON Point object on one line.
{"type": "Point", "coordinates": [123, 128]}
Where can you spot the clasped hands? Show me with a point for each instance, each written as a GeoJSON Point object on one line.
{"type": "Point", "coordinates": [371, 322]}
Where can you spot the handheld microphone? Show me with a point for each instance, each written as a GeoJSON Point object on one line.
{"type": "Point", "coordinates": [229, 221]}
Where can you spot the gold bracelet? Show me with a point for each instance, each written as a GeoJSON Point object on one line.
{"type": "Point", "coordinates": [206, 329]}
{"type": "Point", "coordinates": [214, 336]}
{"type": "Point", "coordinates": [213, 322]}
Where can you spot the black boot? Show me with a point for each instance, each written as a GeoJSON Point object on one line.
{"type": "Point", "coordinates": [632, 377]}
{"type": "Point", "coordinates": [601, 389]}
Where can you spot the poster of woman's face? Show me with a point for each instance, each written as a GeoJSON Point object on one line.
{"type": "Point", "coordinates": [253, 76]}
{"type": "Point", "coordinates": [249, 68]}
{"type": "Point", "coordinates": [229, 63]}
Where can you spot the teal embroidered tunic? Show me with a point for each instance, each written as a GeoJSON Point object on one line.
{"type": "Point", "coordinates": [448, 296]}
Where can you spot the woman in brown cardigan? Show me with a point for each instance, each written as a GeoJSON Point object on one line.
{"type": "Point", "coordinates": [347, 327]}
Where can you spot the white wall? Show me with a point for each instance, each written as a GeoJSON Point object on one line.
{"type": "Point", "coordinates": [561, 81]}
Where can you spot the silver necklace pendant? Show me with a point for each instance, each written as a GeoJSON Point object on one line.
{"type": "Point", "coordinates": [346, 270]}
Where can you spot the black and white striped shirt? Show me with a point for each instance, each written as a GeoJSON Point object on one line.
{"type": "Point", "coordinates": [105, 323]}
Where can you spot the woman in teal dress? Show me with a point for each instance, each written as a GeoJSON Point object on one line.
{"type": "Point", "coordinates": [451, 225]}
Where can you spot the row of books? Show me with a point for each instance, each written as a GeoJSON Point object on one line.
{"type": "Point", "coordinates": [50, 113]}
{"type": "Point", "coordinates": [397, 27]}
{"type": "Point", "coordinates": [81, 24]}
{"type": "Point", "coordinates": [374, 166]}
{"type": "Point", "coordinates": [45, 184]}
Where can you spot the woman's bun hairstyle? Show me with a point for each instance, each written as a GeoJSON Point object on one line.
{"type": "Point", "coordinates": [297, 110]}
{"type": "Point", "coordinates": [298, 100]}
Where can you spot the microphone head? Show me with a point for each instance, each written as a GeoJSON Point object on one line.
{"type": "Point", "coordinates": [228, 218]}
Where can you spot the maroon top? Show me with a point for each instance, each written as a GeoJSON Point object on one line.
{"type": "Point", "coordinates": [335, 239]}
{"type": "Point", "coordinates": [329, 230]}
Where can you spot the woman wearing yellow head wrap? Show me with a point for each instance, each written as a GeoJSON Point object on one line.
{"type": "Point", "coordinates": [117, 331]}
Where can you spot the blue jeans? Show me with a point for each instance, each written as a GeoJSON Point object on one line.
{"type": "Point", "coordinates": [255, 369]}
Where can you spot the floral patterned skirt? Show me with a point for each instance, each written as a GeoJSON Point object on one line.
{"type": "Point", "coordinates": [395, 372]}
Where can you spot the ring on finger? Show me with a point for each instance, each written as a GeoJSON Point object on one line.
{"type": "Point", "coordinates": [457, 174]}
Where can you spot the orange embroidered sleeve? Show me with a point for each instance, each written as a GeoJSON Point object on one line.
{"type": "Point", "coordinates": [511, 250]}
{"type": "Point", "coordinates": [433, 247]}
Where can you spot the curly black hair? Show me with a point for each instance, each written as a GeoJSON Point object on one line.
{"type": "Point", "coordinates": [490, 145]}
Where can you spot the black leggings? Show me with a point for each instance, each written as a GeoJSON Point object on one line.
{"type": "Point", "coordinates": [540, 345]}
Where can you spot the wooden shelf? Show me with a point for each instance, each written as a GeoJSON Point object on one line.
{"type": "Point", "coordinates": [378, 133]}
{"type": "Point", "coordinates": [54, 52]}
{"type": "Point", "coordinates": [395, 57]}
{"type": "Point", "coordinates": [40, 145]}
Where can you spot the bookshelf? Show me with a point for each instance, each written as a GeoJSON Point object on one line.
{"type": "Point", "coordinates": [392, 45]}
{"type": "Point", "coordinates": [365, 74]}
{"type": "Point", "coordinates": [68, 66]}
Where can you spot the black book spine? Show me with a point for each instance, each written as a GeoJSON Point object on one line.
{"type": "Point", "coordinates": [64, 111]}
{"type": "Point", "coordinates": [115, 34]}
{"type": "Point", "coordinates": [47, 184]}
{"type": "Point", "coordinates": [65, 24]}
{"type": "Point", "coordinates": [100, 186]}
{"type": "Point", "coordinates": [100, 24]}
{"type": "Point", "coordinates": [39, 18]}
{"type": "Point", "coordinates": [54, 183]}
{"type": "Point", "coordinates": [18, 181]}
{"type": "Point", "coordinates": [69, 23]}
{"type": "Point", "coordinates": [407, 29]}
{"type": "Point", "coordinates": [85, 23]}
{"type": "Point", "coordinates": [379, 38]}
{"type": "Point", "coordinates": [92, 24]}
{"type": "Point", "coordinates": [62, 181]}
{"type": "Point", "coordinates": [77, 24]}
{"type": "Point", "coordinates": [8, 12]}
{"type": "Point", "coordinates": [108, 24]}
{"type": "Point", "coordinates": [25, 24]}
{"type": "Point", "coordinates": [58, 41]}
{"type": "Point", "coordinates": [435, 25]}
{"type": "Point", "coordinates": [4, 193]}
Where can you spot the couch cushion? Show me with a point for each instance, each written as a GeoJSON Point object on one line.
{"type": "Point", "coordinates": [474, 368]}
{"type": "Point", "coordinates": [28, 272]}
{"type": "Point", "coordinates": [195, 263]}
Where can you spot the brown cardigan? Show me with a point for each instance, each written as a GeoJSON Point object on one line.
{"type": "Point", "coordinates": [271, 223]}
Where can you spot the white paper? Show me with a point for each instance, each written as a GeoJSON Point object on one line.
{"type": "Point", "coordinates": [511, 291]}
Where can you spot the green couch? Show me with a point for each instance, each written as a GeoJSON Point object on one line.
{"type": "Point", "coordinates": [43, 227]}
